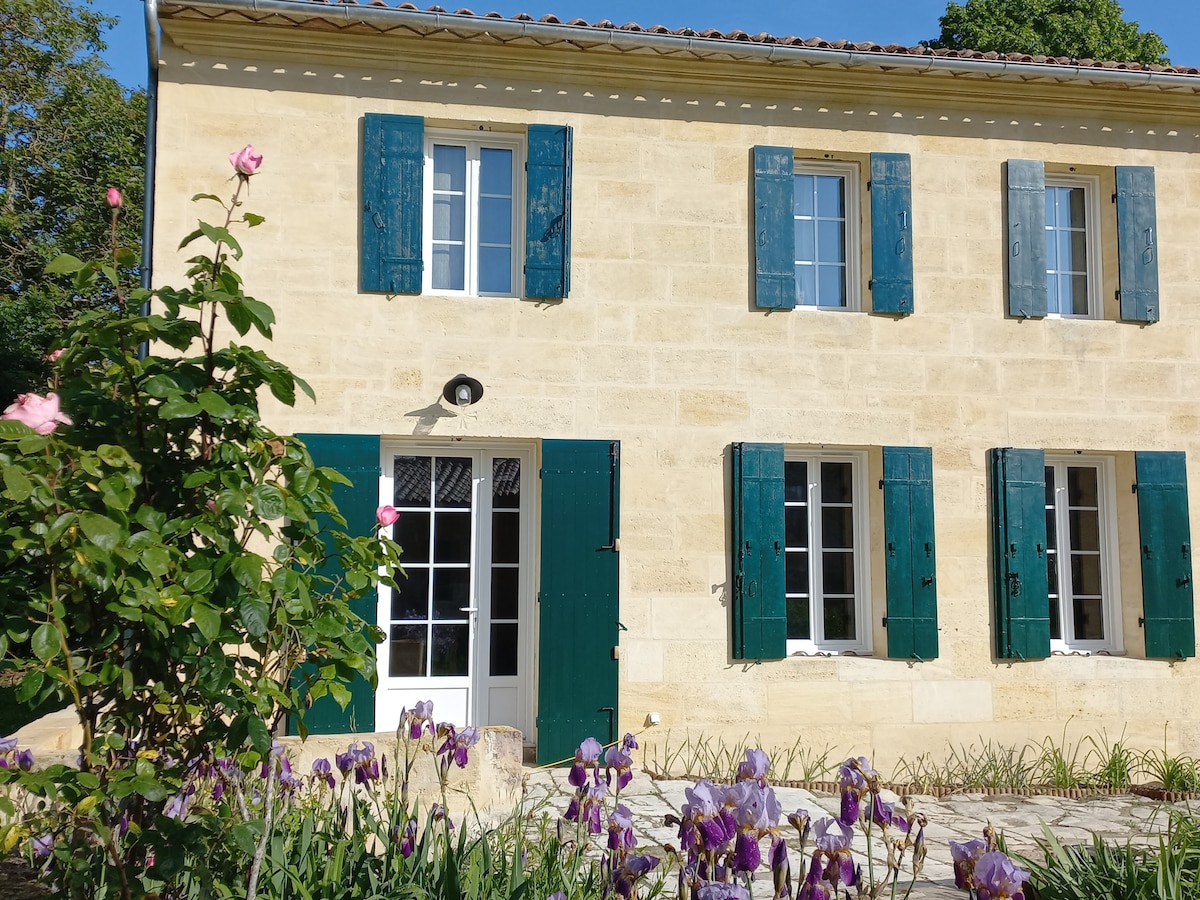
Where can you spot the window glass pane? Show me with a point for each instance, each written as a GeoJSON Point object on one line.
{"type": "Point", "coordinates": [1085, 574]}
{"type": "Point", "coordinates": [506, 538]}
{"type": "Point", "coordinates": [411, 532]}
{"type": "Point", "coordinates": [504, 593]}
{"type": "Point", "coordinates": [1083, 486]}
{"type": "Point", "coordinates": [452, 480]}
{"type": "Point", "coordinates": [1052, 262]}
{"type": "Point", "coordinates": [1085, 529]}
{"type": "Point", "coordinates": [495, 171]}
{"type": "Point", "coordinates": [495, 270]}
{"type": "Point", "coordinates": [1051, 529]}
{"type": "Point", "coordinates": [1076, 208]}
{"type": "Point", "coordinates": [449, 656]}
{"type": "Point", "coordinates": [796, 525]}
{"type": "Point", "coordinates": [1055, 620]}
{"type": "Point", "coordinates": [837, 526]}
{"type": "Point", "coordinates": [799, 619]}
{"type": "Point", "coordinates": [806, 240]}
{"type": "Point", "coordinates": [452, 537]}
{"type": "Point", "coordinates": [449, 217]}
{"type": "Point", "coordinates": [1066, 246]}
{"type": "Point", "coordinates": [1089, 619]}
{"type": "Point", "coordinates": [1079, 296]}
{"type": "Point", "coordinates": [506, 483]}
{"type": "Point", "coordinates": [795, 482]}
{"type": "Point", "coordinates": [831, 286]}
{"type": "Point", "coordinates": [1078, 251]}
{"type": "Point", "coordinates": [449, 273]}
{"type": "Point", "coordinates": [449, 168]}
{"type": "Point", "coordinates": [831, 243]}
{"type": "Point", "coordinates": [837, 572]}
{"type": "Point", "coordinates": [495, 221]}
{"type": "Point", "coordinates": [406, 650]}
{"type": "Point", "coordinates": [411, 477]}
{"type": "Point", "coordinates": [806, 285]}
{"type": "Point", "coordinates": [1053, 304]}
{"type": "Point", "coordinates": [795, 579]}
{"type": "Point", "coordinates": [804, 199]}
{"type": "Point", "coordinates": [411, 601]}
{"type": "Point", "coordinates": [503, 649]}
{"type": "Point", "coordinates": [830, 191]}
{"type": "Point", "coordinates": [451, 592]}
{"type": "Point", "coordinates": [836, 482]}
{"type": "Point", "coordinates": [839, 619]}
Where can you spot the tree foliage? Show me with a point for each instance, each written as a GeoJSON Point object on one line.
{"type": "Point", "coordinates": [67, 131]}
{"type": "Point", "coordinates": [1083, 29]}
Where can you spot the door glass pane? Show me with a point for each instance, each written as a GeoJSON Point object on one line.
{"type": "Point", "coordinates": [506, 483]}
{"type": "Point", "coordinates": [451, 593]}
{"type": "Point", "coordinates": [452, 537]}
{"type": "Point", "coordinates": [504, 593]}
{"type": "Point", "coordinates": [450, 650]}
{"type": "Point", "coordinates": [411, 532]}
{"type": "Point", "coordinates": [411, 601]}
{"type": "Point", "coordinates": [506, 537]}
{"type": "Point", "coordinates": [411, 475]}
{"type": "Point", "coordinates": [406, 651]}
{"type": "Point", "coordinates": [504, 649]}
{"type": "Point", "coordinates": [453, 482]}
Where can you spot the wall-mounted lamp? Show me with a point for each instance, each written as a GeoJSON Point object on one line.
{"type": "Point", "coordinates": [462, 391]}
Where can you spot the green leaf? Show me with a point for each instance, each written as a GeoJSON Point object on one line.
{"type": "Point", "coordinates": [29, 685]}
{"type": "Point", "coordinates": [191, 237]}
{"type": "Point", "coordinates": [254, 613]}
{"type": "Point", "coordinates": [64, 264]}
{"type": "Point", "coordinates": [247, 570]}
{"type": "Point", "coordinates": [268, 501]}
{"type": "Point", "coordinates": [239, 317]}
{"type": "Point", "coordinates": [215, 405]}
{"type": "Point", "coordinates": [221, 235]}
{"type": "Point", "coordinates": [196, 197]}
{"type": "Point", "coordinates": [207, 619]}
{"type": "Point", "coordinates": [178, 408]}
{"type": "Point", "coordinates": [100, 530]}
{"type": "Point", "coordinates": [161, 385]}
{"type": "Point", "coordinates": [13, 429]}
{"type": "Point", "coordinates": [18, 486]}
{"type": "Point", "coordinates": [251, 219]}
{"type": "Point", "coordinates": [246, 835]}
{"type": "Point", "coordinates": [259, 736]}
{"type": "Point", "coordinates": [45, 642]}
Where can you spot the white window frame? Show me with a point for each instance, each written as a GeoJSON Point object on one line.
{"type": "Point", "coordinates": [862, 554]}
{"type": "Point", "coordinates": [1110, 574]}
{"type": "Point", "coordinates": [1091, 219]}
{"type": "Point", "coordinates": [474, 141]}
{"type": "Point", "coordinates": [852, 236]}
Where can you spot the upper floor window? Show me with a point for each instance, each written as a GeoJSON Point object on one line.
{"type": "Point", "coordinates": [470, 214]}
{"type": "Point", "coordinates": [827, 244]}
{"type": "Point", "coordinates": [1072, 246]}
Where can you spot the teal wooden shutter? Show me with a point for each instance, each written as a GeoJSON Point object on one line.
{"type": "Point", "coordinates": [759, 606]}
{"type": "Point", "coordinates": [891, 234]}
{"type": "Point", "coordinates": [1137, 243]}
{"type": "Point", "coordinates": [774, 229]}
{"type": "Point", "coordinates": [910, 561]}
{"type": "Point", "coordinates": [1166, 551]}
{"type": "Point", "coordinates": [1026, 238]}
{"type": "Point", "coordinates": [1021, 587]}
{"type": "Point", "coordinates": [548, 213]}
{"type": "Point", "coordinates": [357, 457]}
{"type": "Point", "coordinates": [393, 166]}
{"type": "Point", "coordinates": [578, 597]}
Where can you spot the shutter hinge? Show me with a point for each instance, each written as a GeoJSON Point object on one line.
{"type": "Point", "coordinates": [1141, 622]}
{"type": "Point", "coordinates": [885, 621]}
{"type": "Point", "coordinates": [1114, 198]}
{"type": "Point", "coordinates": [614, 451]}
{"type": "Point", "coordinates": [1133, 488]}
{"type": "Point", "coordinates": [881, 484]}
{"type": "Point", "coordinates": [870, 284]}
{"type": "Point", "coordinates": [869, 183]}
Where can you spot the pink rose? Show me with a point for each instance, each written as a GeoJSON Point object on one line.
{"type": "Point", "coordinates": [246, 161]}
{"type": "Point", "coordinates": [39, 413]}
{"type": "Point", "coordinates": [386, 515]}
{"type": "Point", "coordinates": [114, 198]}
{"type": "Point", "coordinates": [53, 355]}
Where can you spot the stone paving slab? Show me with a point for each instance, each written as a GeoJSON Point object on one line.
{"type": "Point", "coordinates": [1117, 818]}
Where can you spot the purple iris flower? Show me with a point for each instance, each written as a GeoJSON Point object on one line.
{"type": "Point", "coordinates": [713, 824]}
{"type": "Point", "coordinates": [833, 838]}
{"type": "Point", "coordinates": [633, 868]}
{"type": "Point", "coordinates": [781, 868]}
{"type": "Point", "coordinates": [408, 838]}
{"type": "Point", "coordinates": [755, 806]}
{"type": "Point", "coordinates": [629, 742]}
{"type": "Point", "coordinates": [25, 760]}
{"type": "Point", "coordinates": [176, 807]}
{"type": "Point", "coordinates": [420, 717]}
{"type": "Point", "coordinates": [716, 890]}
{"type": "Point", "coordinates": [998, 878]}
{"type": "Point", "coordinates": [593, 800]}
{"type": "Point", "coordinates": [812, 888]}
{"type": "Point", "coordinates": [42, 846]}
{"type": "Point", "coordinates": [885, 814]}
{"type": "Point", "coordinates": [802, 822]}
{"type": "Point", "coordinates": [322, 771]}
{"type": "Point", "coordinates": [456, 745]}
{"type": "Point", "coordinates": [8, 744]}
{"type": "Point", "coordinates": [747, 855]}
{"type": "Point", "coordinates": [587, 754]}
{"type": "Point", "coordinates": [965, 855]}
{"type": "Point", "coordinates": [557, 895]}
{"type": "Point", "coordinates": [754, 766]}
{"type": "Point", "coordinates": [617, 759]}
{"type": "Point", "coordinates": [620, 829]}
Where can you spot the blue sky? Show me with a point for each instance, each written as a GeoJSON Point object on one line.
{"type": "Point", "coordinates": [885, 21]}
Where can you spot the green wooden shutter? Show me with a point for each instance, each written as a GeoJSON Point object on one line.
{"type": "Point", "coordinates": [578, 596]}
{"type": "Point", "coordinates": [910, 562]}
{"type": "Point", "coordinates": [393, 166]}
{"type": "Point", "coordinates": [759, 606]}
{"type": "Point", "coordinates": [548, 212]}
{"type": "Point", "coordinates": [1166, 551]}
{"type": "Point", "coordinates": [1026, 238]}
{"type": "Point", "coordinates": [357, 457]}
{"type": "Point", "coordinates": [891, 234]}
{"type": "Point", "coordinates": [774, 229]}
{"type": "Point", "coordinates": [1021, 587]}
{"type": "Point", "coordinates": [1137, 242]}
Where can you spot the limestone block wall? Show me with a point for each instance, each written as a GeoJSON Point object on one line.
{"type": "Point", "coordinates": [659, 346]}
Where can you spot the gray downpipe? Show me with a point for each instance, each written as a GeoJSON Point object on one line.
{"type": "Point", "coordinates": [152, 52]}
{"type": "Point", "coordinates": [684, 44]}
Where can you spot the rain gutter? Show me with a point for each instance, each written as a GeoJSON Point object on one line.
{"type": "Point", "coordinates": [696, 46]}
